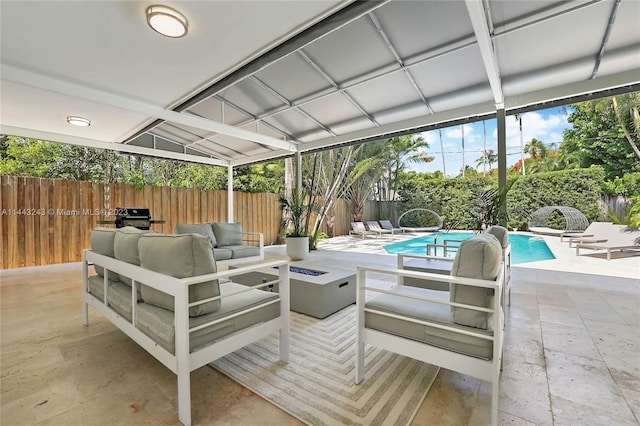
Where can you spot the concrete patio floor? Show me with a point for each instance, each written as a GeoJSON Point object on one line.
{"type": "Point", "coordinates": [571, 353]}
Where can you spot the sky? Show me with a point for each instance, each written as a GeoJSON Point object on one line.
{"type": "Point", "coordinates": [545, 125]}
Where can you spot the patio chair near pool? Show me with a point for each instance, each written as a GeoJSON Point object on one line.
{"type": "Point", "coordinates": [358, 228]}
{"type": "Point", "coordinates": [620, 238]}
{"type": "Point", "coordinates": [386, 224]}
{"type": "Point", "coordinates": [375, 227]}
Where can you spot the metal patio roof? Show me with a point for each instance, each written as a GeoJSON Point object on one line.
{"type": "Point", "coordinates": [261, 79]}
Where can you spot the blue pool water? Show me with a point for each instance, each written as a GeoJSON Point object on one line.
{"type": "Point", "coordinates": [524, 248]}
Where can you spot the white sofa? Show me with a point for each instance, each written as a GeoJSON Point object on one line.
{"type": "Point", "coordinates": [461, 330]}
{"type": "Point", "coordinates": [165, 293]}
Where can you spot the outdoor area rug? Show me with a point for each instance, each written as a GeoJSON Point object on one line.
{"type": "Point", "coordinates": [316, 386]}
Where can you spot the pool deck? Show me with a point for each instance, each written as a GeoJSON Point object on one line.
{"type": "Point", "coordinates": [623, 265]}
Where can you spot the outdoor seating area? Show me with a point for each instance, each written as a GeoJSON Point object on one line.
{"type": "Point", "coordinates": [367, 213]}
{"type": "Point", "coordinates": [548, 307]}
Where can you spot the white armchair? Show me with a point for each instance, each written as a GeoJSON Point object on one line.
{"type": "Point", "coordinates": [461, 330]}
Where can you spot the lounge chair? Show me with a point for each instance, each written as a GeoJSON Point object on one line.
{"type": "Point", "coordinates": [620, 238]}
{"type": "Point", "coordinates": [595, 232]}
{"type": "Point", "coordinates": [358, 228]}
{"type": "Point", "coordinates": [375, 227]}
{"type": "Point", "coordinates": [386, 224]}
{"type": "Point", "coordinates": [417, 215]}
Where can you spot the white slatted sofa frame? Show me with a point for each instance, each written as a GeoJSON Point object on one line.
{"type": "Point", "coordinates": [182, 362]}
{"type": "Point", "coordinates": [483, 369]}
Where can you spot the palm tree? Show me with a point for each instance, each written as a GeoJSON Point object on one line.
{"type": "Point", "coordinates": [488, 156]}
{"type": "Point", "coordinates": [536, 148]}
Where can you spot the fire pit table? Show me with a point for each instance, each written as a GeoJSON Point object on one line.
{"type": "Point", "coordinates": [315, 290]}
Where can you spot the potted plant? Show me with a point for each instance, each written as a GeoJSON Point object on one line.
{"type": "Point", "coordinates": [296, 211]}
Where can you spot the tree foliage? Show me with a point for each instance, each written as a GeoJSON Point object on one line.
{"type": "Point", "coordinates": [36, 158]}
{"type": "Point", "coordinates": [603, 134]}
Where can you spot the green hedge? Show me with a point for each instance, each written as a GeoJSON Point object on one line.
{"type": "Point", "coordinates": [457, 202]}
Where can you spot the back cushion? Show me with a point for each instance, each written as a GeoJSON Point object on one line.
{"type": "Point", "coordinates": [181, 256]}
{"type": "Point", "coordinates": [501, 233]}
{"type": "Point", "coordinates": [228, 234]}
{"type": "Point", "coordinates": [102, 243]}
{"type": "Point", "coordinates": [125, 247]}
{"type": "Point", "coordinates": [201, 228]}
{"type": "Point", "coordinates": [478, 257]}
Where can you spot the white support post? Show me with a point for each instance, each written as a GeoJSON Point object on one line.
{"type": "Point", "coordinates": [284, 334]}
{"type": "Point", "coordinates": [298, 158]}
{"type": "Point", "coordinates": [230, 206]}
{"type": "Point", "coordinates": [183, 366]}
{"type": "Point", "coordinates": [85, 283]}
{"type": "Point", "coordinates": [360, 299]}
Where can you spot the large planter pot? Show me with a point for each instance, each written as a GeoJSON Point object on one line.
{"type": "Point", "coordinates": [297, 248]}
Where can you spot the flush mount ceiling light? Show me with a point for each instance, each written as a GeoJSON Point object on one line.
{"type": "Point", "coordinates": [78, 121]}
{"type": "Point", "coordinates": [167, 21]}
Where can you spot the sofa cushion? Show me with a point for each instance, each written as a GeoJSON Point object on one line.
{"type": "Point", "coordinates": [501, 233]}
{"type": "Point", "coordinates": [102, 243]}
{"type": "Point", "coordinates": [200, 228]}
{"type": "Point", "coordinates": [478, 257]}
{"type": "Point", "coordinates": [180, 256]}
{"type": "Point", "coordinates": [158, 323]}
{"type": "Point", "coordinates": [222, 253]}
{"type": "Point", "coordinates": [243, 251]}
{"type": "Point", "coordinates": [228, 234]}
{"type": "Point", "coordinates": [125, 247]}
{"type": "Point", "coordinates": [119, 295]}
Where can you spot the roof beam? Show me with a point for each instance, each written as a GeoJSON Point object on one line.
{"type": "Point", "coordinates": [114, 146]}
{"type": "Point", "coordinates": [82, 92]}
{"type": "Point", "coordinates": [328, 25]}
{"type": "Point", "coordinates": [605, 38]}
{"type": "Point", "coordinates": [485, 44]}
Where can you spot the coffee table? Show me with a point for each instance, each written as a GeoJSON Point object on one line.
{"type": "Point", "coordinates": [315, 290]}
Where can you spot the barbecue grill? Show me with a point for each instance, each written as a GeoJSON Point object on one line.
{"type": "Point", "coordinates": [130, 216]}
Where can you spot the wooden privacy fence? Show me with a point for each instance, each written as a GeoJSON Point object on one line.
{"type": "Point", "coordinates": [49, 221]}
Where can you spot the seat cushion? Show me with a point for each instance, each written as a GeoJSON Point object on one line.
{"type": "Point", "coordinates": [243, 251]}
{"type": "Point", "coordinates": [478, 257]}
{"type": "Point", "coordinates": [201, 228]}
{"type": "Point", "coordinates": [180, 256]}
{"type": "Point", "coordinates": [119, 295]}
{"type": "Point", "coordinates": [125, 247]}
{"type": "Point", "coordinates": [102, 243]}
{"type": "Point", "coordinates": [228, 234]}
{"type": "Point", "coordinates": [425, 311]}
{"type": "Point", "coordinates": [222, 253]}
{"type": "Point", "coordinates": [158, 323]}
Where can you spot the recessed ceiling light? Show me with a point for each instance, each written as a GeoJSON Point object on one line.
{"type": "Point", "coordinates": [78, 121]}
{"type": "Point", "coordinates": [167, 21]}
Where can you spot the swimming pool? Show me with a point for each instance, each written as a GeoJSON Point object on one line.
{"type": "Point", "coordinates": [524, 248]}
